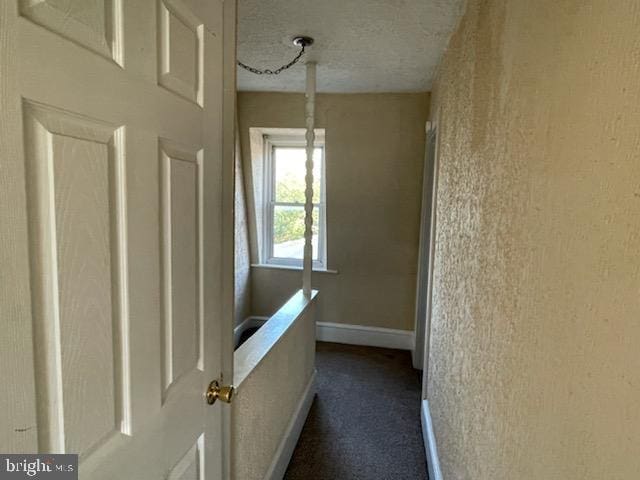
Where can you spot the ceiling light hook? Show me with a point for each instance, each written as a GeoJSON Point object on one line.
{"type": "Point", "coordinates": [302, 41]}
{"type": "Point", "coordinates": [299, 41]}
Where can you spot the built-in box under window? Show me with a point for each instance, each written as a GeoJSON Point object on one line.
{"type": "Point", "coordinates": [283, 241]}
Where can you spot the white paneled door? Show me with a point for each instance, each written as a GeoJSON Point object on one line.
{"type": "Point", "coordinates": [111, 234]}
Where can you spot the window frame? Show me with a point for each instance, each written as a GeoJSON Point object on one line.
{"type": "Point", "coordinates": [271, 142]}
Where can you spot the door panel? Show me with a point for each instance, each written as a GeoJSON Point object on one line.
{"type": "Point", "coordinates": [111, 337]}
{"type": "Point", "coordinates": [90, 23]}
{"type": "Point", "coordinates": [72, 173]}
{"type": "Point", "coordinates": [190, 467]}
{"type": "Point", "coordinates": [181, 252]}
{"type": "Point", "coordinates": [180, 50]}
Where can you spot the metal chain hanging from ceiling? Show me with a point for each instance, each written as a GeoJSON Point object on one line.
{"type": "Point", "coordinates": [301, 42]}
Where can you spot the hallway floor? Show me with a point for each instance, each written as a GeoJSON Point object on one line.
{"type": "Point", "coordinates": [365, 420]}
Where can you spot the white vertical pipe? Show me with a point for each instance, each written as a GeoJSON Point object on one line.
{"type": "Point", "coordinates": [310, 97]}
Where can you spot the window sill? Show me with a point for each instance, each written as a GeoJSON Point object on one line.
{"type": "Point", "coordinates": [291, 267]}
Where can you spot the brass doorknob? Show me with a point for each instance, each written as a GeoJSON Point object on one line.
{"type": "Point", "coordinates": [215, 392]}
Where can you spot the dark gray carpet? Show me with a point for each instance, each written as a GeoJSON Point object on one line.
{"type": "Point", "coordinates": [365, 420]}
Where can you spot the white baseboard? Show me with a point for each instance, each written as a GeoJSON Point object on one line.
{"type": "Point", "coordinates": [362, 335]}
{"type": "Point", "coordinates": [433, 464]}
{"type": "Point", "coordinates": [285, 450]}
{"type": "Point", "coordinates": [247, 323]}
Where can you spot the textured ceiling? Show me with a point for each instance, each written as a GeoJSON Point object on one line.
{"type": "Point", "coordinates": [361, 45]}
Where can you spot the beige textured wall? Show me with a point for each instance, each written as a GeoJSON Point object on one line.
{"type": "Point", "coordinates": [271, 376]}
{"type": "Point", "coordinates": [242, 262]}
{"type": "Point", "coordinates": [374, 156]}
{"type": "Point", "coordinates": [535, 349]}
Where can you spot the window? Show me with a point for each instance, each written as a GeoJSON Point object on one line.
{"type": "Point", "coordinates": [285, 158]}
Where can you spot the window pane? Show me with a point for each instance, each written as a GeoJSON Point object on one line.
{"type": "Point", "coordinates": [289, 164]}
{"type": "Point", "coordinates": [288, 232]}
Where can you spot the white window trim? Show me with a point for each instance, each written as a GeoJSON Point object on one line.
{"type": "Point", "coordinates": [271, 142]}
